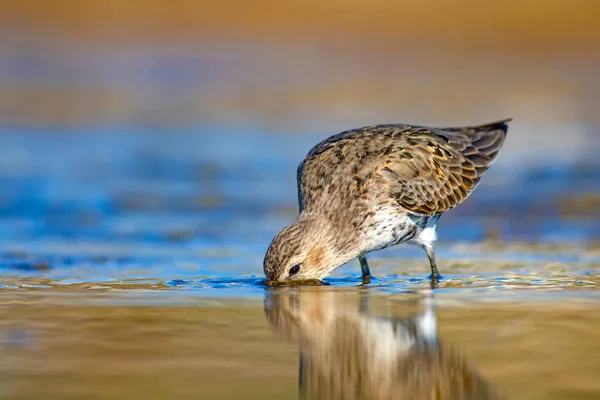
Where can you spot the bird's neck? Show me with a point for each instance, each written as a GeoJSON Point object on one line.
{"type": "Point", "coordinates": [340, 246]}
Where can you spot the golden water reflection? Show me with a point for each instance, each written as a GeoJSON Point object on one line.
{"type": "Point", "coordinates": [348, 351]}
{"type": "Point", "coordinates": [78, 342]}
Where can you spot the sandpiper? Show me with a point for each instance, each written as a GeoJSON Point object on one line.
{"type": "Point", "coordinates": [370, 188]}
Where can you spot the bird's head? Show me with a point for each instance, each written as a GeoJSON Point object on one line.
{"type": "Point", "coordinates": [305, 249]}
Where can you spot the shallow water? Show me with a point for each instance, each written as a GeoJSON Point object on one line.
{"type": "Point", "coordinates": [135, 343]}
{"type": "Point", "coordinates": [131, 268]}
{"type": "Point", "coordinates": [150, 164]}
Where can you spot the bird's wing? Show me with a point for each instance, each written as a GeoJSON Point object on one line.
{"type": "Point", "coordinates": [352, 155]}
{"type": "Point", "coordinates": [433, 170]}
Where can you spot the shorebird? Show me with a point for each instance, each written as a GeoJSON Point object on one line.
{"type": "Point", "coordinates": [370, 188]}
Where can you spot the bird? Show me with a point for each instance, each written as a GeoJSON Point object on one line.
{"type": "Point", "coordinates": [370, 188]}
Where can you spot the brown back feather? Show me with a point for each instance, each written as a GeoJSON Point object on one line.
{"type": "Point", "coordinates": [425, 170]}
{"type": "Point", "coordinates": [434, 170]}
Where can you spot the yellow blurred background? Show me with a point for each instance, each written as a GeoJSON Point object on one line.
{"type": "Point", "coordinates": [148, 154]}
{"type": "Point", "coordinates": [308, 64]}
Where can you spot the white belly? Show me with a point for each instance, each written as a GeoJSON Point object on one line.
{"type": "Point", "coordinates": [390, 229]}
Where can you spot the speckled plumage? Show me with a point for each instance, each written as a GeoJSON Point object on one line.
{"type": "Point", "coordinates": [373, 187]}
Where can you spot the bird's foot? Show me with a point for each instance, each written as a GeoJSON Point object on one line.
{"type": "Point", "coordinates": [435, 277]}
{"type": "Point", "coordinates": [366, 279]}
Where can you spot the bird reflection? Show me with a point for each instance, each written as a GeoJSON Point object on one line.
{"type": "Point", "coordinates": [349, 352]}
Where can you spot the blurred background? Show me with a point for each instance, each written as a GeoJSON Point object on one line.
{"type": "Point", "coordinates": [185, 120]}
{"type": "Point", "coordinates": [150, 147]}
{"type": "Point", "coordinates": [298, 66]}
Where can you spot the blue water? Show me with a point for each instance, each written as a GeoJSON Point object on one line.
{"type": "Point", "coordinates": [196, 207]}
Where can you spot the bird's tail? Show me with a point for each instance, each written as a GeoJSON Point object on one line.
{"type": "Point", "coordinates": [483, 142]}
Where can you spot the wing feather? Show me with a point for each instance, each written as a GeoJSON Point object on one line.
{"type": "Point", "coordinates": [436, 169]}
{"type": "Point", "coordinates": [425, 170]}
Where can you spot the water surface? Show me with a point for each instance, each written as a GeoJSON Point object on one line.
{"type": "Point", "coordinates": [131, 267]}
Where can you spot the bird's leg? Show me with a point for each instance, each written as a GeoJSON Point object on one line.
{"type": "Point", "coordinates": [364, 267]}
{"type": "Point", "coordinates": [435, 275]}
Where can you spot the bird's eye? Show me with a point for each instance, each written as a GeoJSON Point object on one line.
{"type": "Point", "coordinates": [295, 269]}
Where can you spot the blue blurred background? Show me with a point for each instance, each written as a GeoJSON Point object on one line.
{"type": "Point", "coordinates": [170, 131]}
{"type": "Point", "coordinates": [148, 154]}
